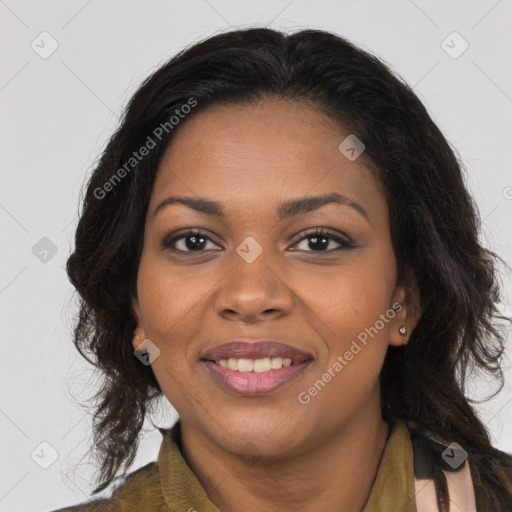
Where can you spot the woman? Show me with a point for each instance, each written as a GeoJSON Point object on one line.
{"type": "Point", "coordinates": [278, 240]}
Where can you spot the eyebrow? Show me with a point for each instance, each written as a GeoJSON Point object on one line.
{"type": "Point", "coordinates": [286, 209]}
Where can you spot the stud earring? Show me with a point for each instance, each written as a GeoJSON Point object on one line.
{"type": "Point", "coordinates": [403, 332]}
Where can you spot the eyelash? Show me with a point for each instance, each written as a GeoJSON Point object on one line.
{"type": "Point", "coordinates": [310, 233]}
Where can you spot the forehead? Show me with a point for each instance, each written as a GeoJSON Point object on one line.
{"type": "Point", "coordinates": [261, 151]}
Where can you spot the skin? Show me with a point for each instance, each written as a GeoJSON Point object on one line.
{"type": "Point", "coordinates": [272, 452]}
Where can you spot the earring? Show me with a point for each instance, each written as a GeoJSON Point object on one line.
{"type": "Point", "coordinates": [403, 332]}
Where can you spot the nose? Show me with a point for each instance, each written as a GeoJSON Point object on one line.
{"type": "Point", "coordinates": [253, 292]}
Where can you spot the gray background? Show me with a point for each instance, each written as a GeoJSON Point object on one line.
{"type": "Point", "coordinates": [57, 113]}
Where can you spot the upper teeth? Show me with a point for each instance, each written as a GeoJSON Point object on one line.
{"type": "Point", "coordinates": [256, 365]}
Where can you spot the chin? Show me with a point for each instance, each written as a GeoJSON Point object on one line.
{"type": "Point", "coordinates": [259, 435]}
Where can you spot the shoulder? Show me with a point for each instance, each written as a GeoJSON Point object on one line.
{"type": "Point", "coordinates": [491, 471]}
{"type": "Point", "coordinates": [137, 491]}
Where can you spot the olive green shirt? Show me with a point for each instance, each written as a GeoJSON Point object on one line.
{"type": "Point", "coordinates": [169, 485]}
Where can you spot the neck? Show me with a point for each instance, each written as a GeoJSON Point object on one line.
{"type": "Point", "coordinates": [336, 475]}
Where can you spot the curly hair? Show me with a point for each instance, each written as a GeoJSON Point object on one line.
{"type": "Point", "coordinates": [434, 226]}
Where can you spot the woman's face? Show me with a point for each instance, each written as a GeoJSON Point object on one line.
{"type": "Point", "coordinates": [257, 273]}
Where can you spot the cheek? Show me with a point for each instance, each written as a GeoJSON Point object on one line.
{"type": "Point", "coordinates": [170, 299]}
{"type": "Point", "coordinates": [172, 305]}
{"type": "Point", "coordinates": [346, 310]}
{"type": "Point", "coordinates": [356, 341]}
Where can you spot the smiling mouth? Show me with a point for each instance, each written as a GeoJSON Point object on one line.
{"type": "Point", "coordinates": [265, 364]}
{"type": "Point", "coordinates": [256, 367]}
{"type": "Point", "coordinates": [255, 377]}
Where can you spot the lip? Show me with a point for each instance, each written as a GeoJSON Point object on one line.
{"type": "Point", "coordinates": [251, 384]}
{"type": "Point", "coordinates": [256, 349]}
{"type": "Point", "coordinates": [255, 384]}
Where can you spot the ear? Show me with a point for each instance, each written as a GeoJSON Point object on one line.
{"type": "Point", "coordinates": [407, 306]}
{"type": "Point", "coordinates": [139, 334]}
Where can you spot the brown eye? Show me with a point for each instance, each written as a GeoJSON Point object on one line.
{"type": "Point", "coordinates": [321, 240]}
{"type": "Point", "coordinates": [189, 241]}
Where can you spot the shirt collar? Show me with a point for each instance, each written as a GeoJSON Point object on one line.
{"type": "Point", "coordinates": [392, 490]}
{"type": "Point", "coordinates": [180, 486]}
